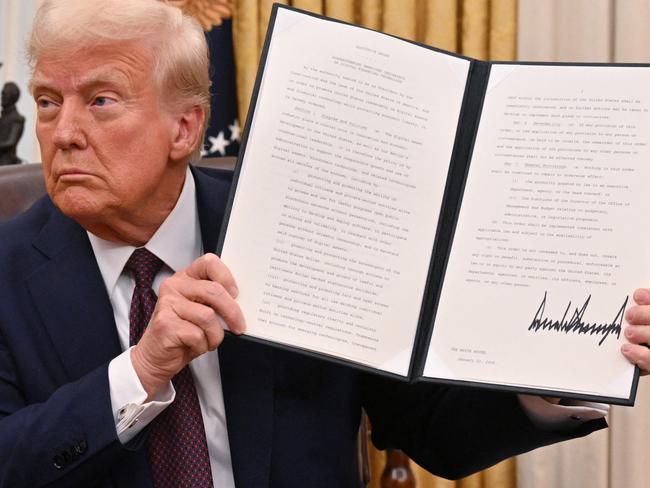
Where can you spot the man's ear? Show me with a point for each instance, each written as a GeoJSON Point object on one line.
{"type": "Point", "coordinates": [186, 132]}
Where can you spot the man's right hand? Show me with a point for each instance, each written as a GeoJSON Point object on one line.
{"type": "Point", "coordinates": [185, 322]}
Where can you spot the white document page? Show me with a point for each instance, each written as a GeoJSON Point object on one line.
{"type": "Point", "coordinates": [552, 238]}
{"type": "Point", "coordinates": [337, 202]}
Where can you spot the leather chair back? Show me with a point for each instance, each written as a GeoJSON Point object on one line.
{"type": "Point", "coordinates": [20, 186]}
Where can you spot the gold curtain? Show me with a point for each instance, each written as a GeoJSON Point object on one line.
{"type": "Point", "coordinates": [483, 29]}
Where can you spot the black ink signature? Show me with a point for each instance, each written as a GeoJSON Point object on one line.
{"type": "Point", "coordinates": [575, 324]}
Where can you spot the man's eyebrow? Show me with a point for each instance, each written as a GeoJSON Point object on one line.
{"type": "Point", "coordinates": [39, 82]}
{"type": "Point", "coordinates": [89, 81]}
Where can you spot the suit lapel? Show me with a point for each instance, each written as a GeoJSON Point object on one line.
{"type": "Point", "coordinates": [246, 367]}
{"type": "Point", "coordinates": [69, 292]}
{"type": "Point", "coordinates": [70, 295]}
{"type": "Point", "coordinates": [211, 200]}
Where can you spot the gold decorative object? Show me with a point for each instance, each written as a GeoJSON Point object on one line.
{"type": "Point", "coordinates": [209, 13]}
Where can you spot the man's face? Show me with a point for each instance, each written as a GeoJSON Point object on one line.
{"type": "Point", "coordinates": [105, 139]}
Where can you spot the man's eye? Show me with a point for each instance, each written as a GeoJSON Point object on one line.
{"type": "Point", "coordinates": [103, 101]}
{"type": "Point", "coordinates": [44, 103]}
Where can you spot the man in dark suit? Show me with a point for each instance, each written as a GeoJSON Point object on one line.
{"type": "Point", "coordinates": [114, 369]}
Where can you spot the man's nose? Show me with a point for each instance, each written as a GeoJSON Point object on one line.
{"type": "Point", "coordinates": [69, 130]}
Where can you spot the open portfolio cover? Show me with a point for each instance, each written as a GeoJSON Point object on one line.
{"type": "Point", "coordinates": [432, 217]}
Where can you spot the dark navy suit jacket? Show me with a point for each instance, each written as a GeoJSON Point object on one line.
{"type": "Point", "coordinates": [291, 419]}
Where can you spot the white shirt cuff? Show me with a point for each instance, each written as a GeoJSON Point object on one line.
{"type": "Point", "coordinates": [549, 414]}
{"type": "Point", "coordinates": [130, 412]}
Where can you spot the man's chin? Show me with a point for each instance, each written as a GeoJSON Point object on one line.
{"type": "Point", "coordinates": [78, 205]}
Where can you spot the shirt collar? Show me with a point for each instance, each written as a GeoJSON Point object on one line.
{"type": "Point", "coordinates": [177, 242]}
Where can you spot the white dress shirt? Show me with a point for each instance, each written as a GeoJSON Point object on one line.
{"type": "Point", "coordinates": [177, 243]}
{"type": "Point", "coordinates": [128, 397]}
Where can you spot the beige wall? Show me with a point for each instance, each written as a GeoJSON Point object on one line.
{"type": "Point", "coordinates": [584, 30]}
{"type": "Point", "coordinates": [15, 24]}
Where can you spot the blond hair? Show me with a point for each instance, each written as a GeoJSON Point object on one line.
{"type": "Point", "coordinates": [180, 51]}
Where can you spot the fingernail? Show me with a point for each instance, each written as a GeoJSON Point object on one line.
{"type": "Point", "coordinates": [629, 315]}
{"type": "Point", "coordinates": [641, 296]}
{"type": "Point", "coordinates": [626, 348]}
{"type": "Point", "coordinates": [628, 332]}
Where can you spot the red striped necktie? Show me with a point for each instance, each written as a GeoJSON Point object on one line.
{"type": "Point", "coordinates": [177, 449]}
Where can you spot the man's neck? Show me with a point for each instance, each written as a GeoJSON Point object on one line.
{"type": "Point", "coordinates": [135, 226]}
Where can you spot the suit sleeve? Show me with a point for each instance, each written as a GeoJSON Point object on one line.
{"type": "Point", "coordinates": [67, 440]}
{"type": "Point", "coordinates": [452, 431]}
